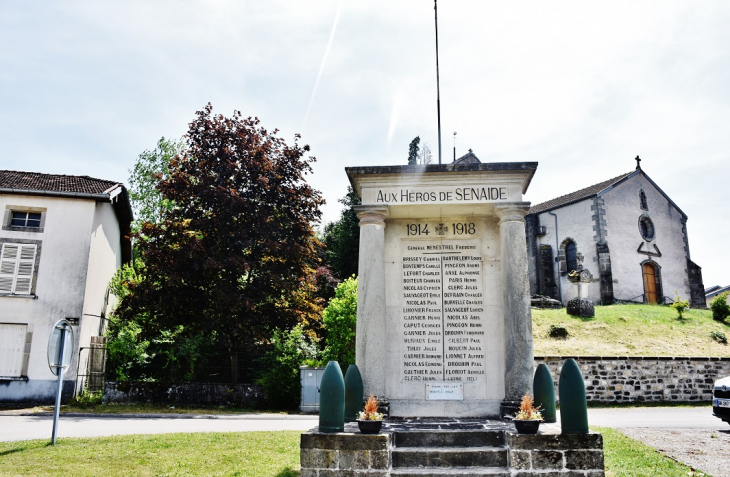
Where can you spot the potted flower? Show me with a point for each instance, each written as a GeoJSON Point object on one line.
{"type": "Point", "coordinates": [527, 421]}
{"type": "Point", "coordinates": [370, 420]}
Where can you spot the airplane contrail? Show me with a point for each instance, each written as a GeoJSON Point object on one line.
{"type": "Point", "coordinates": [324, 61]}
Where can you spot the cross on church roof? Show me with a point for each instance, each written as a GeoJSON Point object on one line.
{"type": "Point", "coordinates": [638, 162]}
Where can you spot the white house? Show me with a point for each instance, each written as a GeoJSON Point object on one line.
{"type": "Point", "coordinates": [626, 235]}
{"type": "Point", "coordinates": [62, 239]}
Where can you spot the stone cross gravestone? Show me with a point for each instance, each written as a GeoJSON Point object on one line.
{"type": "Point", "coordinates": [443, 318]}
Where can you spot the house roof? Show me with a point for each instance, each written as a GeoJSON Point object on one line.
{"type": "Point", "coordinates": [577, 195]}
{"type": "Point", "coordinates": [75, 187]}
{"type": "Point", "coordinates": [717, 291]}
{"type": "Point", "coordinates": [37, 182]}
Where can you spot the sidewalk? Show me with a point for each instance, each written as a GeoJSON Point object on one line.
{"type": "Point", "coordinates": [39, 425]}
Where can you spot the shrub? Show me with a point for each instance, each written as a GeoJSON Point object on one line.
{"type": "Point", "coordinates": [719, 336]}
{"type": "Point", "coordinates": [88, 398]}
{"type": "Point", "coordinates": [720, 308]}
{"type": "Point", "coordinates": [289, 349]}
{"type": "Point", "coordinates": [557, 331]}
{"type": "Point", "coordinates": [339, 320]}
{"type": "Point", "coordinates": [679, 305]}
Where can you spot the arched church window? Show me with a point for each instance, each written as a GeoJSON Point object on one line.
{"type": "Point", "coordinates": [642, 200]}
{"type": "Point", "coordinates": [571, 256]}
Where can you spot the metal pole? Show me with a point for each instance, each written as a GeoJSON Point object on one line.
{"type": "Point", "coordinates": [438, 94]}
{"type": "Point", "coordinates": [60, 384]}
{"type": "Point", "coordinates": [454, 146]}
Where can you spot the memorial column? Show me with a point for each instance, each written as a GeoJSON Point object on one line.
{"type": "Point", "coordinates": [370, 331]}
{"type": "Point", "coordinates": [519, 352]}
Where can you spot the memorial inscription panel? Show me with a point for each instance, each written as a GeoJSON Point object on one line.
{"type": "Point", "coordinates": [442, 318]}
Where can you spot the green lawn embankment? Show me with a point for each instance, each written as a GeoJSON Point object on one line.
{"type": "Point", "coordinates": [630, 330]}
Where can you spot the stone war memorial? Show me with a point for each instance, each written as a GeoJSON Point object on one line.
{"type": "Point", "coordinates": [444, 330]}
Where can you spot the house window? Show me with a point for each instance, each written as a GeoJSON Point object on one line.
{"type": "Point", "coordinates": [646, 227]}
{"type": "Point", "coordinates": [12, 348]}
{"type": "Point", "coordinates": [642, 200]}
{"type": "Point", "coordinates": [26, 219]}
{"type": "Point", "coordinates": [571, 256]}
{"type": "Point", "coordinates": [17, 264]}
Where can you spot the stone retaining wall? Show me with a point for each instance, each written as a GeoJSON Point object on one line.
{"type": "Point", "coordinates": [206, 394]}
{"type": "Point", "coordinates": [655, 379]}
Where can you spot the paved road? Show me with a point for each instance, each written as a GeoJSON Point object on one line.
{"type": "Point", "coordinates": [15, 428]}
{"type": "Point", "coordinates": [656, 418]}
{"type": "Point", "coordinates": [19, 428]}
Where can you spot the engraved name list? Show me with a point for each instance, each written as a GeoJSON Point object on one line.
{"type": "Point", "coordinates": [442, 312]}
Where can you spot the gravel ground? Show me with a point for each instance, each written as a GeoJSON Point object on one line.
{"type": "Point", "coordinates": [706, 450]}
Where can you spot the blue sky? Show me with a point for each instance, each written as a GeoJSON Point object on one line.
{"type": "Point", "coordinates": [580, 87]}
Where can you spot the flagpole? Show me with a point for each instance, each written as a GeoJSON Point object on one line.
{"type": "Point", "coordinates": [438, 95]}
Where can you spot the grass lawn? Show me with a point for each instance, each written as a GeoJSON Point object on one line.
{"type": "Point", "coordinates": [234, 454]}
{"type": "Point", "coordinates": [629, 457]}
{"type": "Point", "coordinates": [630, 330]}
{"type": "Point", "coordinates": [257, 454]}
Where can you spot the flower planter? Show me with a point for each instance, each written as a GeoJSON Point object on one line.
{"type": "Point", "coordinates": [369, 427]}
{"type": "Point", "coordinates": [526, 426]}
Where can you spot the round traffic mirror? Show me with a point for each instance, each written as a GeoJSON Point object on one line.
{"type": "Point", "coordinates": [61, 332]}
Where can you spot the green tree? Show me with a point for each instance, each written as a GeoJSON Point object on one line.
{"type": "Point", "coordinates": [679, 305]}
{"type": "Point", "coordinates": [413, 151]}
{"type": "Point", "coordinates": [150, 168]}
{"type": "Point", "coordinates": [234, 244]}
{"type": "Point", "coordinates": [342, 239]}
{"type": "Point", "coordinates": [339, 322]}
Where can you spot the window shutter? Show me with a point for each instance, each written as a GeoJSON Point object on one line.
{"type": "Point", "coordinates": [16, 268]}
{"type": "Point", "coordinates": [12, 347]}
{"type": "Point", "coordinates": [26, 263]}
{"type": "Point", "coordinates": [8, 262]}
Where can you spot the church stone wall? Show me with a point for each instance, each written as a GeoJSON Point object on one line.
{"type": "Point", "coordinates": [623, 212]}
{"type": "Point", "coordinates": [574, 222]}
{"type": "Point", "coordinates": [645, 379]}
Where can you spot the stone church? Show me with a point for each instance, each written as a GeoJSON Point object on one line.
{"type": "Point", "coordinates": [622, 240]}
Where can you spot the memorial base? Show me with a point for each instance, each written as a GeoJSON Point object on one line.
{"type": "Point", "coordinates": [508, 409]}
{"type": "Point", "coordinates": [483, 408]}
{"type": "Point", "coordinates": [445, 446]}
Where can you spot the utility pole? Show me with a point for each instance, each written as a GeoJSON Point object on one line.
{"type": "Point", "coordinates": [438, 95]}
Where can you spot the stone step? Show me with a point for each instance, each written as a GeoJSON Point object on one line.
{"type": "Point", "coordinates": [453, 471]}
{"type": "Point", "coordinates": [449, 438]}
{"type": "Point", "coordinates": [486, 456]}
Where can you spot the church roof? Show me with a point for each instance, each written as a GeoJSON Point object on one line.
{"type": "Point", "coordinates": [578, 195]}
{"type": "Point", "coordinates": [597, 190]}
{"type": "Point", "coordinates": [468, 158]}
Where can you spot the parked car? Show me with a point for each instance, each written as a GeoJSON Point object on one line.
{"type": "Point", "coordinates": [721, 399]}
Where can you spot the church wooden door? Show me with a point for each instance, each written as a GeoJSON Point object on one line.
{"type": "Point", "coordinates": [650, 283]}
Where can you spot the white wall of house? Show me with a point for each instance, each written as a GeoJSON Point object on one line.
{"type": "Point", "coordinates": [105, 257]}
{"type": "Point", "coordinates": [575, 222]}
{"type": "Point", "coordinates": [623, 212]}
{"type": "Point", "coordinates": [79, 251]}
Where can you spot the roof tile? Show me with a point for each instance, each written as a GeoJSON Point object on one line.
{"type": "Point", "coordinates": [53, 182]}
{"type": "Point", "coordinates": [576, 196]}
